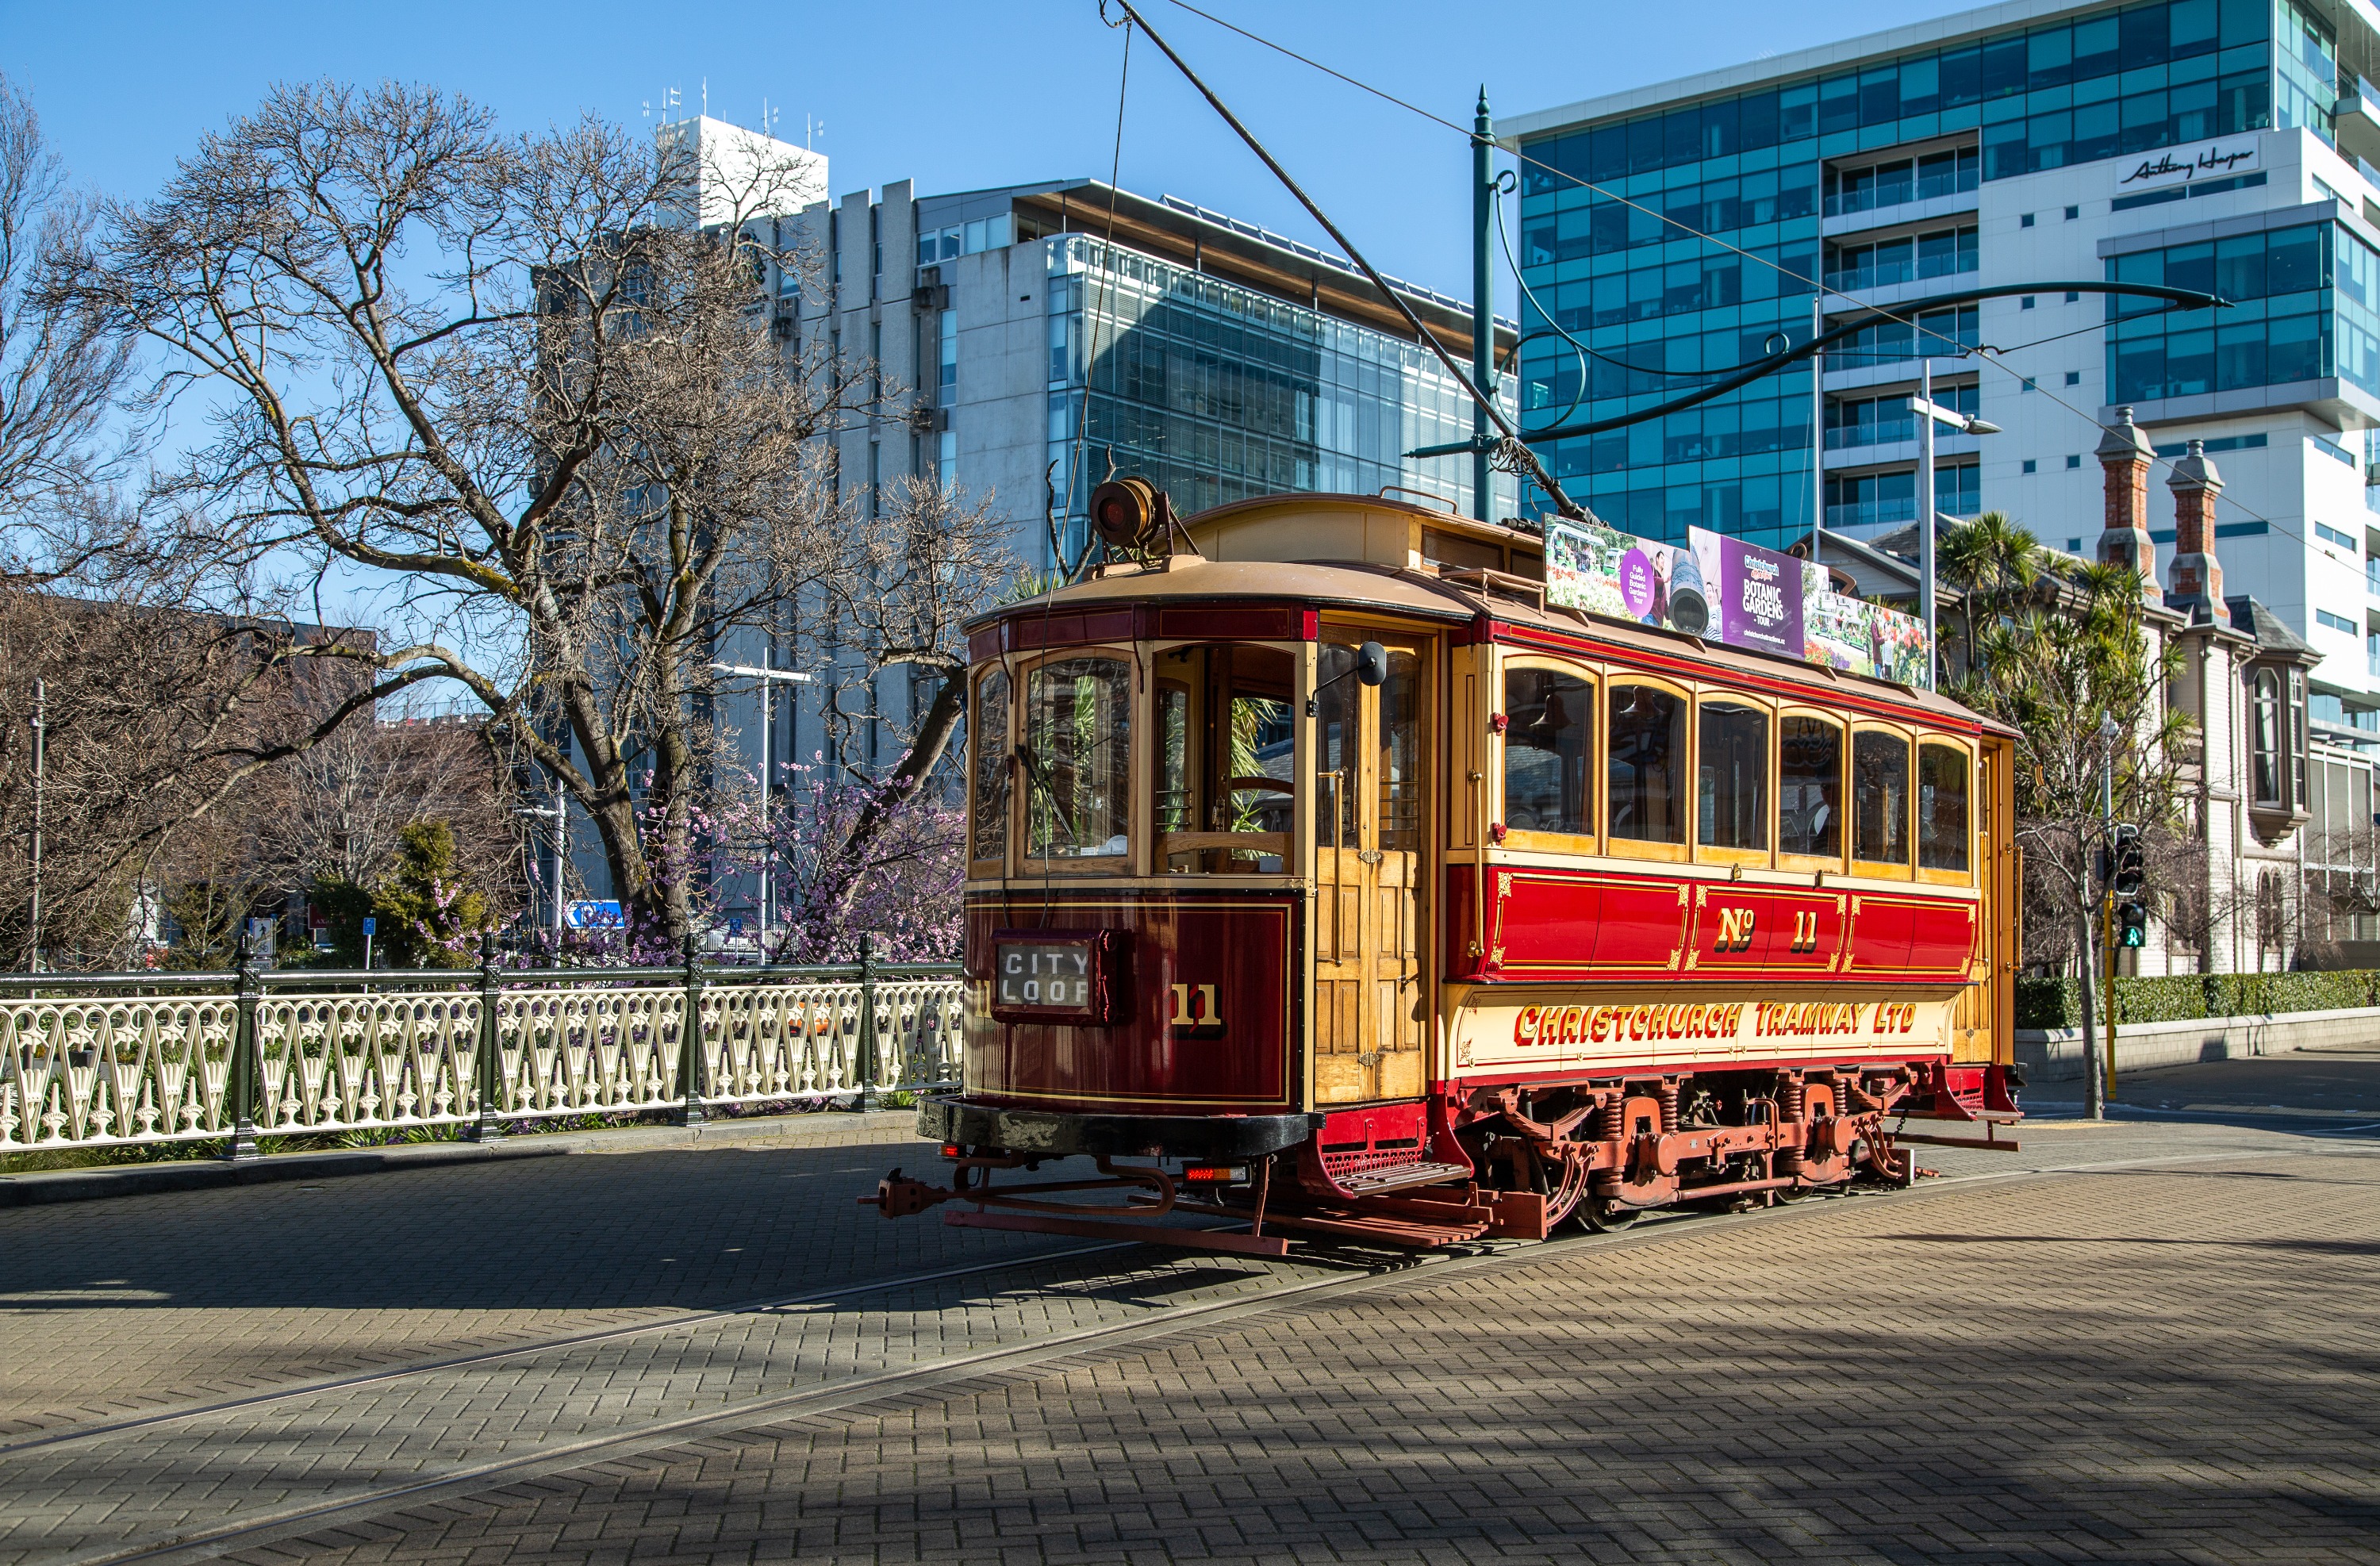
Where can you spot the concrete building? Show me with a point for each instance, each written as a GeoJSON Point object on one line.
{"type": "Point", "coordinates": [1029, 336]}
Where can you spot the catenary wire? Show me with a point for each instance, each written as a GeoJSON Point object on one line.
{"type": "Point", "coordinates": [1910, 320]}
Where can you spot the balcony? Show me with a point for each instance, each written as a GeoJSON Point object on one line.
{"type": "Point", "coordinates": [1877, 432]}
{"type": "Point", "coordinates": [1884, 273]}
{"type": "Point", "coordinates": [1891, 192]}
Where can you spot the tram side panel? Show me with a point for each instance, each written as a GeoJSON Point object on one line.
{"type": "Point", "coordinates": [1123, 1001]}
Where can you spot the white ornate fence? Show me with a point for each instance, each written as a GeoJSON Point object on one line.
{"type": "Point", "coordinates": [159, 1057]}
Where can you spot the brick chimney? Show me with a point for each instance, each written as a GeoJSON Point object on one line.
{"type": "Point", "coordinates": [2197, 574]}
{"type": "Point", "coordinates": [2124, 457]}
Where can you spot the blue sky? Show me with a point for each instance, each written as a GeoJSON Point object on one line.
{"type": "Point", "coordinates": [957, 96]}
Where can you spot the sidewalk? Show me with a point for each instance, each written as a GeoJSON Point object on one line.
{"type": "Point", "coordinates": [202, 1174]}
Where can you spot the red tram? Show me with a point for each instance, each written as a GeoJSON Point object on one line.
{"type": "Point", "coordinates": [1327, 872]}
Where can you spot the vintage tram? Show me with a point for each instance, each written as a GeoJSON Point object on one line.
{"type": "Point", "coordinates": [1324, 877]}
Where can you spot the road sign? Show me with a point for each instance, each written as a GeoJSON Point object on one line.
{"type": "Point", "coordinates": [589, 914]}
{"type": "Point", "coordinates": [372, 926]}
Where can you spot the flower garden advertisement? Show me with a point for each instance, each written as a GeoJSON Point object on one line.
{"type": "Point", "coordinates": [1734, 593]}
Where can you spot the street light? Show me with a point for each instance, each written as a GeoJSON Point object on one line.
{"type": "Point", "coordinates": [1930, 413]}
{"type": "Point", "coordinates": [560, 816]}
{"type": "Point", "coordinates": [769, 677]}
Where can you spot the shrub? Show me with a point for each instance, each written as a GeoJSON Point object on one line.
{"type": "Point", "coordinates": [2057, 1002]}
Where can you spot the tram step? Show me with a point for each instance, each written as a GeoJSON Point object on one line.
{"type": "Point", "coordinates": [1373, 1181]}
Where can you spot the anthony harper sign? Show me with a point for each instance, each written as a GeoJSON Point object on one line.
{"type": "Point", "coordinates": [2181, 166]}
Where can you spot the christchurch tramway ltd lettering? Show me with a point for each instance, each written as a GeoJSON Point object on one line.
{"type": "Point", "coordinates": [1771, 1019]}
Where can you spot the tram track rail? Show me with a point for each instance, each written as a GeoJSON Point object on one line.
{"type": "Point", "coordinates": [950, 1374]}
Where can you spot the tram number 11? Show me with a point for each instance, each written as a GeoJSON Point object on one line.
{"type": "Point", "coordinates": [1735, 927]}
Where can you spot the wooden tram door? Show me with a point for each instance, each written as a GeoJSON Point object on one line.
{"type": "Point", "coordinates": [1370, 814]}
{"type": "Point", "coordinates": [1983, 1017]}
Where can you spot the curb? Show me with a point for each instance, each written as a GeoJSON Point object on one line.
{"type": "Point", "coordinates": [206, 1174]}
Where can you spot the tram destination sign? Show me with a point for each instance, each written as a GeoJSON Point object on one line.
{"type": "Point", "coordinates": [1734, 593]}
{"type": "Point", "coordinates": [1056, 975]}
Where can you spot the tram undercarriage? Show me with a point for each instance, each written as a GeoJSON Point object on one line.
{"type": "Point", "coordinates": [1496, 1162]}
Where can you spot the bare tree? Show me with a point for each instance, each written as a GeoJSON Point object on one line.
{"type": "Point", "coordinates": [504, 374]}
{"type": "Point", "coordinates": [60, 371]}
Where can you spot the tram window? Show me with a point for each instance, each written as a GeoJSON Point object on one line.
{"type": "Point", "coordinates": [988, 746]}
{"type": "Point", "coordinates": [1076, 752]}
{"type": "Point", "coordinates": [1177, 805]}
{"type": "Point", "coordinates": [1810, 788]}
{"type": "Point", "coordinates": [1336, 706]}
{"type": "Point", "coordinates": [1226, 754]}
{"type": "Point", "coordinates": [1645, 764]}
{"type": "Point", "coordinates": [1548, 745]}
{"type": "Point", "coordinates": [1401, 764]}
{"type": "Point", "coordinates": [1731, 802]}
{"type": "Point", "coordinates": [1942, 787]}
{"type": "Point", "coordinates": [1880, 797]}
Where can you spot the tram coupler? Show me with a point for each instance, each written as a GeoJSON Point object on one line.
{"type": "Point", "coordinates": [897, 1196]}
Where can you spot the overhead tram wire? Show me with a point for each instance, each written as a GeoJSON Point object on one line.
{"type": "Point", "coordinates": [1877, 314]}
{"type": "Point", "coordinates": [1513, 443]}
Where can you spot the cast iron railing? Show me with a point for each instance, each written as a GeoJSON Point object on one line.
{"type": "Point", "coordinates": [111, 1059]}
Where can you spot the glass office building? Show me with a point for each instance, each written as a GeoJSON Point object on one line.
{"type": "Point", "coordinates": [2231, 146]}
{"type": "Point", "coordinates": [1765, 170]}
{"type": "Point", "coordinates": [1219, 393]}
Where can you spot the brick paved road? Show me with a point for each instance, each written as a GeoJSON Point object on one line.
{"type": "Point", "coordinates": [2164, 1358]}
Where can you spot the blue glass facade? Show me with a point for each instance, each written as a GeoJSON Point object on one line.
{"type": "Point", "coordinates": [1661, 309]}
{"type": "Point", "coordinates": [2303, 309]}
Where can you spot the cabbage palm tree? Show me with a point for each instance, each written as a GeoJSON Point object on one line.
{"type": "Point", "coordinates": [1991, 560]}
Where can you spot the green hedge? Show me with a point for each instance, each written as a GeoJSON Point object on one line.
{"type": "Point", "coordinates": [2057, 1002]}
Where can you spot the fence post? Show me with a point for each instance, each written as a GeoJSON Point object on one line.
{"type": "Point", "coordinates": [484, 1126]}
{"type": "Point", "coordinates": [691, 1058]}
{"type": "Point", "coordinates": [244, 1063]}
{"type": "Point", "coordinates": [869, 1068]}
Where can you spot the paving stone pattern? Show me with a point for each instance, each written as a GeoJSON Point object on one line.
{"type": "Point", "coordinates": [2167, 1364]}
{"type": "Point", "coordinates": [116, 1307]}
{"type": "Point", "coordinates": [2162, 1359]}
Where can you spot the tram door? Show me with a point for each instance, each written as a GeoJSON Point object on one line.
{"type": "Point", "coordinates": [1370, 814]}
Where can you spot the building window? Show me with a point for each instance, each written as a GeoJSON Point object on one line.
{"type": "Point", "coordinates": [2029, 465]}
{"type": "Point", "coordinates": [2074, 378]}
{"type": "Point", "coordinates": [946, 391]}
{"type": "Point", "coordinates": [2073, 213]}
{"type": "Point", "coordinates": [2323, 317]}
{"type": "Point", "coordinates": [2073, 460]}
{"type": "Point", "coordinates": [2297, 739]}
{"type": "Point", "coordinates": [946, 459]}
{"type": "Point", "coordinates": [2025, 222]}
{"type": "Point", "coordinates": [874, 479]}
{"type": "Point", "coordinates": [2334, 621]}
{"type": "Point", "coordinates": [2265, 739]}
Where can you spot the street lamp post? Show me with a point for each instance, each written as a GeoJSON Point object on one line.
{"type": "Point", "coordinates": [1930, 413]}
{"type": "Point", "coordinates": [769, 676]}
{"type": "Point", "coordinates": [560, 816]}
{"type": "Point", "coordinates": [40, 758]}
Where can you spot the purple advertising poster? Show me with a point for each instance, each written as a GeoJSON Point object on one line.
{"type": "Point", "coordinates": [1637, 580]}
{"type": "Point", "coordinates": [1760, 599]}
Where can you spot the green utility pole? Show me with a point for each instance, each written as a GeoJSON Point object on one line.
{"type": "Point", "coordinates": [1483, 303]}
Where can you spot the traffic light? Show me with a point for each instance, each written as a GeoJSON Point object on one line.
{"type": "Point", "coordinates": [2132, 924]}
{"type": "Point", "coordinates": [2128, 862]}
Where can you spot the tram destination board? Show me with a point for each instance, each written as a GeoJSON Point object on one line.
{"type": "Point", "coordinates": [1056, 975]}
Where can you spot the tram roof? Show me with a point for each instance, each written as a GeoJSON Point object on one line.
{"type": "Point", "coordinates": [1387, 556]}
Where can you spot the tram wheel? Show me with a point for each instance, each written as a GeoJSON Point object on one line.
{"type": "Point", "coordinates": [1606, 1216]}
